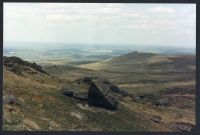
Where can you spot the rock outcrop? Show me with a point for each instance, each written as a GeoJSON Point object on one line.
{"type": "Point", "coordinates": [17, 66]}
{"type": "Point", "coordinates": [100, 92]}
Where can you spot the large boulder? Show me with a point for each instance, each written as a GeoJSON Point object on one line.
{"type": "Point", "coordinates": [97, 91]}
{"type": "Point", "coordinates": [99, 94]}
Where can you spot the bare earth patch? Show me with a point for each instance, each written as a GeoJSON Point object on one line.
{"type": "Point", "coordinates": [78, 115]}
{"type": "Point", "coordinates": [31, 124]}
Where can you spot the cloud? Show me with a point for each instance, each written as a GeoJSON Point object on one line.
{"type": "Point", "coordinates": [68, 18]}
{"type": "Point", "coordinates": [62, 18]}
{"type": "Point", "coordinates": [165, 10]}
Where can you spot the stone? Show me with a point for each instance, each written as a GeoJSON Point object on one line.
{"type": "Point", "coordinates": [96, 91]}
{"type": "Point", "coordinates": [80, 95]}
{"type": "Point", "coordinates": [117, 90]}
{"type": "Point", "coordinates": [85, 79]}
{"type": "Point", "coordinates": [156, 118]}
{"type": "Point", "coordinates": [10, 99]}
{"type": "Point", "coordinates": [139, 98]}
{"type": "Point", "coordinates": [182, 126]}
{"type": "Point", "coordinates": [68, 93]}
{"type": "Point", "coordinates": [75, 94]}
{"type": "Point", "coordinates": [162, 102]}
{"type": "Point", "coordinates": [100, 95]}
{"type": "Point", "coordinates": [86, 105]}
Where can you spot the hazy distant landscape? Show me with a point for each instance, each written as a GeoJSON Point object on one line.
{"type": "Point", "coordinates": [60, 53]}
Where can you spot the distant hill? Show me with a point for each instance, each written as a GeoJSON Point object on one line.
{"type": "Point", "coordinates": [145, 62]}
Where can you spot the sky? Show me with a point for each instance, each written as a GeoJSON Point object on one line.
{"type": "Point", "coordinates": [101, 23]}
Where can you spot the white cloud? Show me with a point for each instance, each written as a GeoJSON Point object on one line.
{"type": "Point", "coordinates": [92, 18]}
{"type": "Point", "coordinates": [62, 18]}
{"type": "Point", "coordinates": [161, 10]}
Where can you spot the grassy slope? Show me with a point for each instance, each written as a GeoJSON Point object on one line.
{"type": "Point", "coordinates": [43, 108]}
{"type": "Point", "coordinates": [149, 80]}
{"type": "Point", "coordinates": [147, 72]}
{"type": "Point", "coordinates": [153, 74]}
{"type": "Point", "coordinates": [145, 62]}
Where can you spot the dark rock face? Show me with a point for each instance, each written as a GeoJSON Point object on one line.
{"type": "Point", "coordinates": [17, 65]}
{"type": "Point", "coordinates": [13, 59]}
{"type": "Point", "coordinates": [100, 92]}
{"type": "Point", "coordinates": [100, 95]}
{"type": "Point", "coordinates": [89, 80]}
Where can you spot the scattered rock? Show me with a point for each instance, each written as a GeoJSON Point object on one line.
{"type": "Point", "coordinates": [139, 98]}
{"type": "Point", "coordinates": [182, 126]}
{"type": "Point", "coordinates": [68, 93]}
{"type": "Point", "coordinates": [156, 118]}
{"type": "Point", "coordinates": [162, 102]}
{"type": "Point", "coordinates": [10, 99]}
{"type": "Point", "coordinates": [86, 105]}
{"type": "Point", "coordinates": [145, 98]}
{"type": "Point", "coordinates": [83, 107]}
{"type": "Point", "coordinates": [176, 90]}
{"type": "Point", "coordinates": [85, 79]}
{"type": "Point", "coordinates": [75, 93]}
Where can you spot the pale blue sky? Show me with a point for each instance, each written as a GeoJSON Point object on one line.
{"type": "Point", "coordinates": [148, 24]}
